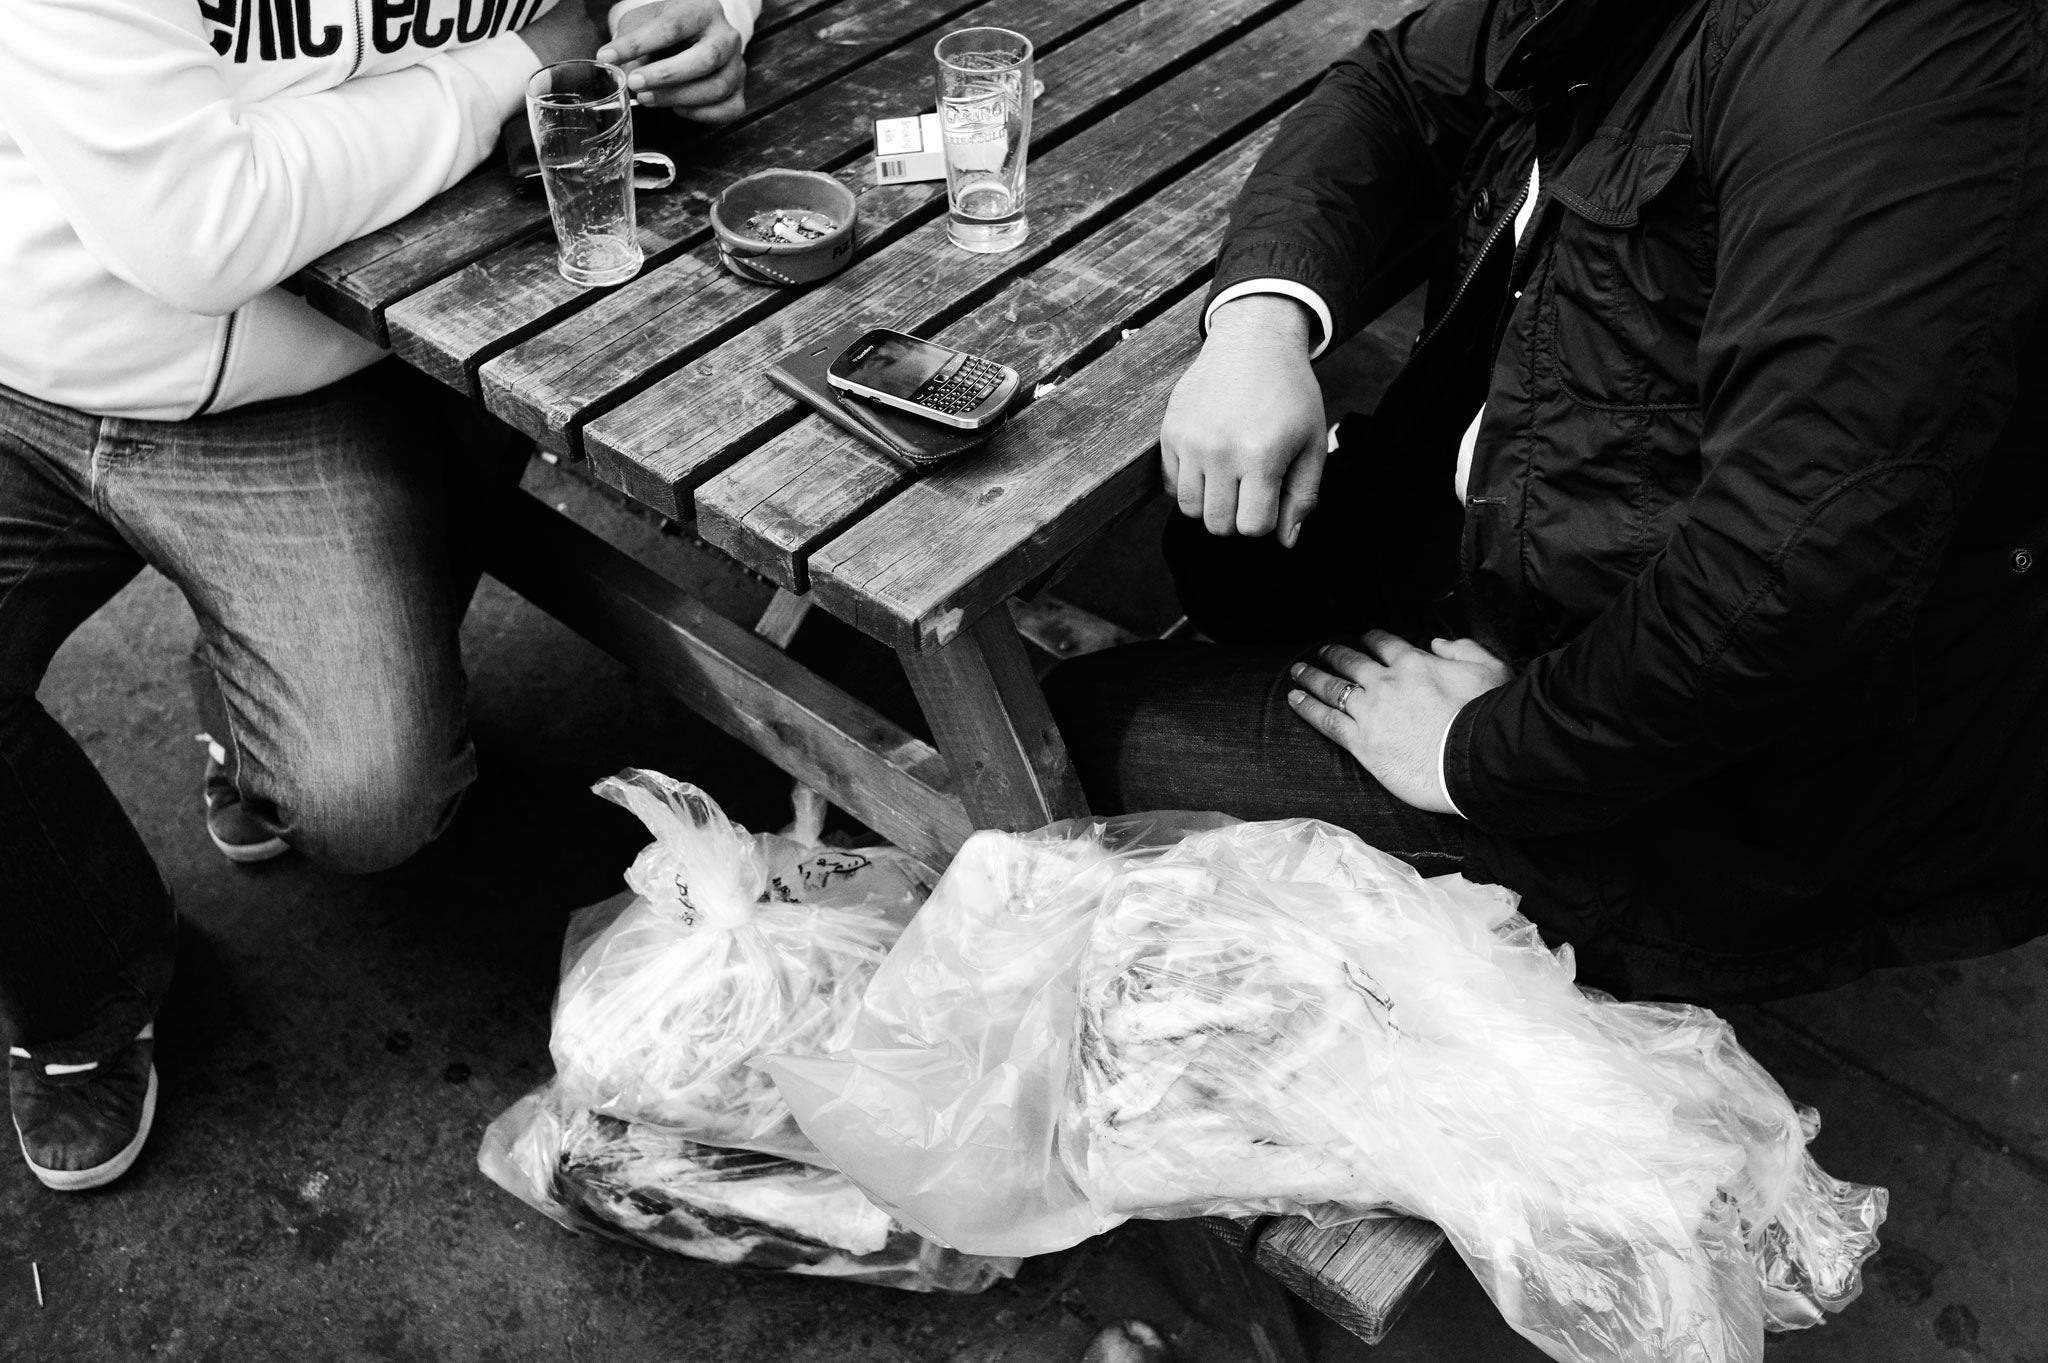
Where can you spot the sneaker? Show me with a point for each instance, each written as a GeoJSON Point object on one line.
{"type": "Point", "coordinates": [81, 1126]}
{"type": "Point", "coordinates": [240, 836]}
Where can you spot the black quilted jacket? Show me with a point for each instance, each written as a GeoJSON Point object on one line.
{"type": "Point", "coordinates": [1762, 486]}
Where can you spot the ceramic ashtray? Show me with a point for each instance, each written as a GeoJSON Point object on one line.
{"type": "Point", "coordinates": [785, 226]}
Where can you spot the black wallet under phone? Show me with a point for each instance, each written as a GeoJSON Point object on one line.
{"type": "Point", "coordinates": [908, 439]}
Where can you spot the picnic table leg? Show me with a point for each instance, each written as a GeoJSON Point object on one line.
{"type": "Point", "coordinates": [1009, 764]}
{"type": "Point", "coordinates": [784, 616]}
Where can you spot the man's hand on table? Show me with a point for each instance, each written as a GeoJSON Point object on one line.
{"type": "Point", "coordinates": [1391, 706]}
{"type": "Point", "coordinates": [565, 33]}
{"type": "Point", "coordinates": [1243, 442]}
{"type": "Point", "coordinates": [682, 55]}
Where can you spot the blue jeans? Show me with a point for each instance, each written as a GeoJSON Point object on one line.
{"type": "Point", "coordinates": [327, 546]}
{"type": "Point", "coordinates": [1207, 725]}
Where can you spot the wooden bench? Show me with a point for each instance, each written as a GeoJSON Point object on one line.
{"type": "Point", "coordinates": [1362, 1276]}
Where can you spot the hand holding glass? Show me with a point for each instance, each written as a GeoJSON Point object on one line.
{"type": "Point", "coordinates": [583, 130]}
{"type": "Point", "coordinates": [985, 116]}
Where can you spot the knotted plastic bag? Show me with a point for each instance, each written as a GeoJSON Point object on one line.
{"type": "Point", "coordinates": [1105, 1020]}
{"type": "Point", "coordinates": [727, 942]}
{"type": "Point", "coordinates": [736, 943]}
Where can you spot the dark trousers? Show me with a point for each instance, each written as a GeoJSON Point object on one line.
{"type": "Point", "coordinates": [1207, 726]}
{"type": "Point", "coordinates": [327, 546]}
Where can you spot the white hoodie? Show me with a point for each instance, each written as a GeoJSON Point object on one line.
{"type": "Point", "coordinates": [165, 163]}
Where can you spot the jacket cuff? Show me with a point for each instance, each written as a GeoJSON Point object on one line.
{"type": "Point", "coordinates": [1287, 288]}
{"type": "Point", "coordinates": [1480, 779]}
{"type": "Point", "coordinates": [1443, 783]}
{"type": "Point", "coordinates": [1455, 767]}
{"type": "Point", "coordinates": [1271, 258]}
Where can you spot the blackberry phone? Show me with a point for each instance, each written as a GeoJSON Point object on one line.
{"type": "Point", "coordinates": [909, 440]}
{"type": "Point", "coordinates": [924, 378]}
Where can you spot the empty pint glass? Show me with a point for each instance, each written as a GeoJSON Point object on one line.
{"type": "Point", "coordinates": [985, 116]}
{"type": "Point", "coordinates": [582, 121]}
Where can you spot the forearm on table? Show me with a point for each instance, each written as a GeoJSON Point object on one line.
{"type": "Point", "coordinates": [203, 201]}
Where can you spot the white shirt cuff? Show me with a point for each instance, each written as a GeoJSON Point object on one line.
{"type": "Point", "coordinates": [739, 13]}
{"type": "Point", "coordinates": [1443, 780]}
{"type": "Point", "coordinates": [1300, 293]}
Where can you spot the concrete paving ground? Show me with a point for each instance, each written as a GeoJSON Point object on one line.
{"type": "Point", "coordinates": [334, 1048]}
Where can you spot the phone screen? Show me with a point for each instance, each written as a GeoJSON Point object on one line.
{"type": "Point", "coordinates": [891, 363]}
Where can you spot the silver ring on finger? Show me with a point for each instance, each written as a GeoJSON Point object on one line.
{"type": "Point", "coordinates": [1344, 696]}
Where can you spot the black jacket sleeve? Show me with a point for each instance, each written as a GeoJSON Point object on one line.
{"type": "Point", "coordinates": [1883, 199]}
{"type": "Point", "coordinates": [1355, 171]}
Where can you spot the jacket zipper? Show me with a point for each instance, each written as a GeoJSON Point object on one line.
{"type": "Point", "coordinates": [355, 8]}
{"type": "Point", "coordinates": [220, 374]}
{"type": "Point", "coordinates": [1472, 271]}
{"type": "Point", "coordinates": [227, 344]}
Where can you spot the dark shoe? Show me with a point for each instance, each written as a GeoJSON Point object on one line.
{"type": "Point", "coordinates": [82, 1126]}
{"type": "Point", "coordinates": [240, 836]}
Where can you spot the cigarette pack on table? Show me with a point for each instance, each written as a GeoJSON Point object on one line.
{"type": "Point", "coordinates": [909, 149]}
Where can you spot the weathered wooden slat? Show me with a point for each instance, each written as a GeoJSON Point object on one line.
{"type": "Point", "coordinates": [1009, 764]}
{"type": "Point", "coordinates": [451, 327]}
{"type": "Point", "coordinates": [888, 779]}
{"type": "Point", "coordinates": [356, 284]}
{"type": "Point", "coordinates": [774, 506]}
{"type": "Point", "coordinates": [781, 13]}
{"type": "Point", "coordinates": [1363, 1276]}
{"type": "Point", "coordinates": [622, 343]}
{"type": "Point", "coordinates": [481, 208]}
{"type": "Point", "coordinates": [767, 510]}
{"type": "Point", "coordinates": [948, 547]}
{"type": "Point", "coordinates": [1238, 1232]}
{"type": "Point", "coordinates": [548, 385]}
{"type": "Point", "coordinates": [783, 617]}
{"type": "Point", "coordinates": [1063, 630]}
{"type": "Point", "coordinates": [696, 421]}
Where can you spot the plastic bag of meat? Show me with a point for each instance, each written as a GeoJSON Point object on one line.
{"type": "Point", "coordinates": [656, 1131]}
{"type": "Point", "coordinates": [949, 1102]}
{"type": "Point", "coordinates": [735, 943]}
{"type": "Point", "coordinates": [1104, 1020]}
{"type": "Point", "coordinates": [649, 1186]}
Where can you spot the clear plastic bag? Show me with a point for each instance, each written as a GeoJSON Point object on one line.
{"type": "Point", "coordinates": [649, 1186]}
{"type": "Point", "coordinates": [948, 1100]}
{"type": "Point", "coordinates": [1105, 1020]}
{"type": "Point", "coordinates": [735, 943]}
{"type": "Point", "coordinates": [656, 1131]}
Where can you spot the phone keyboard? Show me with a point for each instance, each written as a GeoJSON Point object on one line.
{"type": "Point", "coordinates": [967, 389]}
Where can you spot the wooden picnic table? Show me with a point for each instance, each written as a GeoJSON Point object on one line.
{"type": "Point", "coordinates": [1151, 117]}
